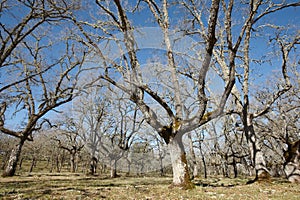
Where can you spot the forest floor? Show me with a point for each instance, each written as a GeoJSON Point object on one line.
{"type": "Point", "coordinates": [79, 186]}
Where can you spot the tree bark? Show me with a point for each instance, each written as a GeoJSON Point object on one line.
{"type": "Point", "coordinates": [128, 166]}
{"type": "Point", "coordinates": [257, 156]}
{"type": "Point", "coordinates": [203, 159]}
{"type": "Point", "coordinates": [93, 165]}
{"type": "Point", "coordinates": [73, 161]}
{"type": "Point", "coordinates": [235, 169]}
{"type": "Point", "coordinates": [113, 168]}
{"type": "Point", "coordinates": [4, 160]}
{"type": "Point", "coordinates": [33, 164]}
{"type": "Point", "coordinates": [181, 175]}
{"type": "Point", "coordinates": [13, 159]}
{"type": "Point", "coordinates": [193, 156]}
{"type": "Point", "coordinates": [292, 163]}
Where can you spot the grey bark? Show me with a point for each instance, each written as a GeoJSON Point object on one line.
{"type": "Point", "coordinates": [13, 159]}
{"type": "Point", "coordinates": [292, 163]}
{"type": "Point", "coordinates": [257, 156]}
{"type": "Point", "coordinates": [181, 175]}
{"type": "Point", "coordinates": [193, 157]}
{"type": "Point", "coordinates": [113, 168]}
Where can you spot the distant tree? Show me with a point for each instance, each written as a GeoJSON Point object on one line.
{"type": "Point", "coordinates": [35, 151]}
{"type": "Point", "coordinates": [68, 138]}
{"type": "Point", "coordinates": [125, 123]}
{"type": "Point", "coordinates": [200, 139]}
{"type": "Point", "coordinates": [90, 114]}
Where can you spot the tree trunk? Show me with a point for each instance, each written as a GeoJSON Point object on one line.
{"type": "Point", "coordinates": [13, 159]}
{"type": "Point", "coordinates": [257, 156]}
{"type": "Point", "coordinates": [58, 164]}
{"type": "Point", "coordinates": [193, 156]}
{"type": "Point", "coordinates": [161, 163]}
{"type": "Point", "coordinates": [224, 165]}
{"type": "Point", "coordinates": [292, 162]}
{"type": "Point", "coordinates": [73, 162]}
{"type": "Point", "coordinates": [33, 163]}
{"type": "Point", "coordinates": [235, 170]}
{"type": "Point", "coordinates": [113, 168]}
{"type": "Point", "coordinates": [128, 166]}
{"type": "Point", "coordinates": [181, 176]}
{"type": "Point", "coordinates": [21, 159]}
{"type": "Point", "coordinates": [93, 165]}
{"type": "Point", "coordinates": [203, 159]}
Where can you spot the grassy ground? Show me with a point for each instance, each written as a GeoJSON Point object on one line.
{"type": "Point", "coordinates": [78, 186]}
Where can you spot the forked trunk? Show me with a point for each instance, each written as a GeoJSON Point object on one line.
{"type": "Point", "coordinates": [11, 167]}
{"type": "Point", "coordinates": [292, 162]}
{"type": "Point", "coordinates": [181, 176]}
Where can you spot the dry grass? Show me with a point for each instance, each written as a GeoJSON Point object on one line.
{"type": "Point", "coordinates": [77, 186]}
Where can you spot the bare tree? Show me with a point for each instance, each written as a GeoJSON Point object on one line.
{"type": "Point", "coordinates": [127, 123]}
{"type": "Point", "coordinates": [280, 128]}
{"type": "Point", "coordinates": [34, 150]}
{"type": "Point", "coordinates": [69, 140]}
{"type": "Point", "coordinates": [90, 112]}
{"type": "Point", "coordinates": [256, 12]}
{"type": "Point", "coordinates": [36, 79]}
{"type": "Point", "coordinates": [178, 122]}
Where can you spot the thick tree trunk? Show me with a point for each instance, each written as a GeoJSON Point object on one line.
{"type": "Point", "coordinates": [181, 175]}
{"type": "Point", "coordinates": [257, 156]}
{"type": "Point", "coordinates": [292, 163]}
{"type": "Point", "coordinates": [13, 159]}
{"type": "Point", "coordinates": [261, 171]}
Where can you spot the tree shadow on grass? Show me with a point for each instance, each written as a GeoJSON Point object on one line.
{"type": "Point", "coordinates": [220, 182]}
